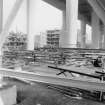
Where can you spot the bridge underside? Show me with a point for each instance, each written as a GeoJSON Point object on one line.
{"type": "Point", "coordinates": [91, 12]}
{"type": "Point", "coordinates": [84, 7]}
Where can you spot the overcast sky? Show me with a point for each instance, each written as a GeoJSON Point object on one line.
{"type": "Point", "coordinates": [48, 17]}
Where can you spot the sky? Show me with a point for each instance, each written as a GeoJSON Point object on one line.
{"type": "Point", "coordinates": [48, 17]}
{"type": "Point", "coordinates": [45, 16]}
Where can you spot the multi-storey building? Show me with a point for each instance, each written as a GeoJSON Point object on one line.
{"type": "Point", "coordinates": [53, 38]}
{"type": "Point", "coordinates": [15, 42]}
{"type": "Point", "coordinates": [40, 40]}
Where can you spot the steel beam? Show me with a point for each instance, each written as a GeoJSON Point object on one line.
{"type": "Point", "coordinates": [62, 70]}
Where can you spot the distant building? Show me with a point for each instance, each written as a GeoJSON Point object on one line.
{"type": "Point", "coordinates": [16, 41]}
{"type": "Point", "coordinates": [43, 41]}
{"type": "Point", "coordinates": [40, 40]}
{"type": "Point", "coordinates": [53, 38]}
{"type": "Point", "coordinates": [37, 41]}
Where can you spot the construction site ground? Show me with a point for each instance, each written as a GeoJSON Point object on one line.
{"type": "Point", "coordinates": [38, 94]}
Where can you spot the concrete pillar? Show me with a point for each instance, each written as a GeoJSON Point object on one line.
{"type": "Point", "coordinates": [70, 39]}
{"type": "Point", "coordinates": [101, 41]}
{"type": "Point", "coordinates": [28, 15]}
{"type": "Point", "coordinates": [64, 20]}
{"type": "Point", "coordinates": [79, 39]}
{"type": "Point", "coordinates": [101, 37]}
{"type": "Point", "coordinates": [28, 23]}
{"type": "Point", "coordinates": [63, 31]}
{"type": "Point", "coordinates": [95, 30]}
{"type": "Point", "coordinates": [32, 27]}
{"type": "Point", "coordinates": [1, 15]}
{"type": "Point", "coordinates": [83, 34]}
{"type": "Point", "coordinates": [104, 37]}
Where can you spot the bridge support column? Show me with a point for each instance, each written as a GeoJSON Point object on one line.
{"type": "Point", "coordinates": [70, 39]}
{"type": "Point", "coordinates": [101, 41]}
{"type": "Point", "coordinates": [95, 30]}
{"type": "Point", "coordinates": [31, 21]}
{"type": "Point", "coordinates": [63, 31]}
{"type": "Point", "coordinates": [104, 37]}
{"type": "Point", "coordinates": [28, 16]}
{"type": "Point", "coordinates": [101, 37]}
{"type": "Point", "coordinates": [83, 34]}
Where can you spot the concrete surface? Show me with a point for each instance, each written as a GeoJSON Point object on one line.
{"type": "Point", "coordinates": [37, 94]}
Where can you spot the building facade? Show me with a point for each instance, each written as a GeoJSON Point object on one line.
{"type": "Point", "coordinates": [40, 40]}
{"type": "Point", "coordinates": [53, 38]}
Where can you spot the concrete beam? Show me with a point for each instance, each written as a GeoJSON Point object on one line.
{"type": "Point", "coordinates": [101, 37]}
{"type": "Point", "coordinates": [57, 4]}
{"type": "Point", "coordinates": [62, 6]}
{"type": "Point", "coordinates": [83, 18]}
{"type": "Point", "coordinates": [99, 11]}
{"type": "Point", "coordinates": [9, 21]}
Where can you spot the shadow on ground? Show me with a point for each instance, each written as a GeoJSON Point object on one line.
{"type": "Point", "coordinates": [37, 94]}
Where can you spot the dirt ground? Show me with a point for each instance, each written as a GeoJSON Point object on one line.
{"type": "Point", "coordinates": [37, 94]}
